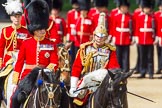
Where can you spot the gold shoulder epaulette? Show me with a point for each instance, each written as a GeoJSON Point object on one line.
{"type": "Point", "coordinates": [111, 47]}
{"type": "Point", "coordinates": [85, 44]}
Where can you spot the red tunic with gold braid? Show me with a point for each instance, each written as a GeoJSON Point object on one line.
{"type": "Point", "coordinates": [90, 58]}
{"type": "Point", "coordinates": [72, 16]}
{"type": "Point", "coordinates": [61, 27]}
{"type": "Point", "coordinates": [36, 53]}
{"type": "Point", "coordinates": [11, 40]}
{"type": "Point", "coordinates": [83, 31]}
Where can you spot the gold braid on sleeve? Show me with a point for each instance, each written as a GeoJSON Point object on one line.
{"type": "Point", "coordinates": [86, 60]}
{"type": "Point", "coordinates": [12, 37]}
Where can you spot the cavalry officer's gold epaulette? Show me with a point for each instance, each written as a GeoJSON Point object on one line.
{"type": "Point", "coordinates": [82, 46]}
{"type": "Point", "coordinates": [111, 47]}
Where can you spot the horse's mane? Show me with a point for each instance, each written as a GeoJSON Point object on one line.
{"type": "Point", "coordinates": [26, 85]}
{"type": "Point", "coordinates": [109, 90]}
{"type": "Point", "coordinates": [29, 81]}
{"type": "Point", "coordinates": [101, 95]}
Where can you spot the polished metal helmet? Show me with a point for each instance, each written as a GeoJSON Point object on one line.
{"type": "Point", "coordinates": [101, 30]}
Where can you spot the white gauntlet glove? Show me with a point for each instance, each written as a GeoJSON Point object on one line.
{"type": "Point", "coordinates": [73, 87]}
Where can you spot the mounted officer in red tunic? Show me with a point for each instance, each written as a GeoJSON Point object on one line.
{"type": "Point", "coordinates": [10, 41]}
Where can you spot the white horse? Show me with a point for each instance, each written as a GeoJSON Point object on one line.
{"type": "Point", "coordinates": [91, 80]}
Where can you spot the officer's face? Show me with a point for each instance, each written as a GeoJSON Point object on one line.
{"type": "Point", "coordinates": [102, 9]}
{"type": "Point", "coordinates": [99, 41]}
{"type": "Point", "coordinates": [160, 7]}
{"type": "Point", "coordinates": [15, 19]}
{"type": "Point", "coordinates": [75, 6]}
{"type": "Point", "coordinates": [147, 10]}
{"type": "Point", "coordinates": [124, 9]}
{"type": "Point", "coordinates": [40, 33]}
{"type": "Point", "coordinates": [54, 12]}
{"type": "Point", "coordinates": [84, 13]}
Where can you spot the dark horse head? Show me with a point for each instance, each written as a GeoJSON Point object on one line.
{"type": "Point", "coordinates": [43, 88]}
{"type": "Point", "coordinates": [112, 91]}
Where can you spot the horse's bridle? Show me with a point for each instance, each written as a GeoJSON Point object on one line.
{"type": "Point", "coordinates": [51, 94]}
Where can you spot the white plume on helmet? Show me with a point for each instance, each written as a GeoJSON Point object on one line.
{"type": "Point", "coordinates": [13, 6]}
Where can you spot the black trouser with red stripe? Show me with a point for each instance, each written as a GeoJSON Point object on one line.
{"type": "Point", "coordinates": [74, 51]}
{"type": "Point", "coordinates": [138, 60]}
{"type": "Point", "coordinates": [123, 52]}
{"type": "Point", "coordinates": [146, 59]}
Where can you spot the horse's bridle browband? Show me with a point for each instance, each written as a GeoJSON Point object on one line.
{"type": "Point", "coordinates": [51, 95]}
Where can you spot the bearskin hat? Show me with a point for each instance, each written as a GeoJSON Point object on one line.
{"type": "Point", "coordinates": [159, 2]}
{"type": "Point", "coordinates": [138, 2]}
{"type": "Point", "coordinates": [148, 3]}
{"type": "Point", "coordinates": [124, 2]}
{"type": "Point", "coordinates": [26, 2]}
{"type": "Point", "coordinates": [37, 15]}
{"type": "Point", "coordinates": [84, 4]}
{"type": "Point", "coordinates": [13, 7]}
{"type": "Point", "coordinates": [74, 1]}
{"type": "Point", "coordinates": [101, 3]}
{"type": "Point", "coordinates": [49, 2]}
{"type": "Point", "coordinates": [57, 4]}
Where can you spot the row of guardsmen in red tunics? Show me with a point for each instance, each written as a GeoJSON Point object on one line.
{"type": "Point", "coordinates": [121, 27]}
{"type": "Point", "coordinates": [124, 29]}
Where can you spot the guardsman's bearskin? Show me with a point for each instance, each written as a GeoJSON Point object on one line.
{"type": "Point", "coordinates": [101, 3]}
{"type": "Point", "coordinates": [57, 4]}
{"type": "Point", "coordinates": [84, 4]}
{"type": "Point", "coordinates": [74, 1]}
{"type": "Point", "coordinates": [148, 3]}
{"type": "Point", "coordinates": [124, 3]}
{"type": "Point", "coordinates": [159, 2]}
{"type": "Point", "coordinates": [38, 15]}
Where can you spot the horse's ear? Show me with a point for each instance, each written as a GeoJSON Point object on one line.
{"type": "Point", "coordinates": [44, 75]}
{"type": "Point", "coordinates": [57, 74]}
{"type": "Point", "coordinates": [128, 74]}
{"type": "Point", "coordinates": [111, 74]}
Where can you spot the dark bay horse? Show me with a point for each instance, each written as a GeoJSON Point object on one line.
{"type": "Point", "coordinates": [111, 93]}
{"type": "Point", "coordinates": [41, 89]}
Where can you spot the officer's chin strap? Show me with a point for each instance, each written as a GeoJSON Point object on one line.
{"type": "Point", "coordinates": [140, 97]}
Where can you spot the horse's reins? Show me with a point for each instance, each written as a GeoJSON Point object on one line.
{"type": "Point", "coordinates": [141, 97]}
{"type": "Point", "coordinates": [86, 87]}
{"type": "Point", "coordinates": [50, 92]}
